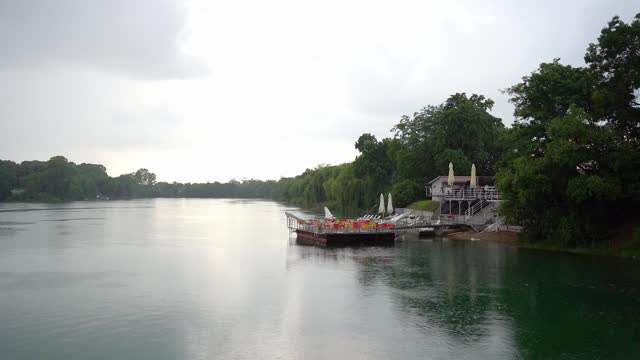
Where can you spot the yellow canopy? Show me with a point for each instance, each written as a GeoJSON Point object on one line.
{"type": "Point", "coordinates": [452, 178]}
{"type": "Point", "coordinates": [474, 178]}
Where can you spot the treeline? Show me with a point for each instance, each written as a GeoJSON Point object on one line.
{"type": "Point", "coordinates": [61, 180]}
{"type": "Point", "coordinates": [569, 167]}
{"type": "Point", "coordinates": [460, 130]}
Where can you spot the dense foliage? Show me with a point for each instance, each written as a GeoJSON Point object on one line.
{"type": "Point", "coordinates": [61, 180]}
{"type": "Point", "coordinates": [569, 167]}
{"type": "Point", "coordinates": [572, 172]}
{"type": "Point", "coordinates": [459, 130]}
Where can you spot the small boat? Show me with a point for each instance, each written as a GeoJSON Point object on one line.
{"type": "Point", "coordinates": [425, 231]}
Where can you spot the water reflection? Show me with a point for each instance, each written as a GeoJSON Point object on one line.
{"type": "Point", "coordinates": [196, 279]}
{"type": "Point", "coordinates": [501, 301]}
{"type": "Point", "coordinates": [573, 306]}
{"type": "Point", "coordinates": [447, 291]}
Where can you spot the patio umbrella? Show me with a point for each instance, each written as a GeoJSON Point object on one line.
{"type": "Point", "coordinates": [381, 207]}
{"type": "Point", "coordinates": [452, 178]}
{"type": "Point", "coordinates": [389, 205]}
{"type": "Point", "coordinates": [474, 178]}
{"type": "Point", "coordinates": [327, 214]}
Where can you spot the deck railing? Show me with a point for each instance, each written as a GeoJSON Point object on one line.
{"type": "Point", "coordinates": [479, 193]}
{"type": "Point", "coordinates": [319, 227]}
{"type": "Point", "coordinates": [476, 208]}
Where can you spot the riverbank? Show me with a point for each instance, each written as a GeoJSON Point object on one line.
{"type": "Point", "coordinates": [504, 236]}
{"type": "Point", "coordinates": [627, 252]}
{"type": "Point", "coordinates": [629, 249]}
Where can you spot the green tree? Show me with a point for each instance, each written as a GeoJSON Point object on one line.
{"type": "Point", "coordinates": [615, 60]}
{"type": "Point", "coordinates": [572, 173]}
{"type": "Point", "coordinates": [373, 167]}
{"type": "Point", "coordinates": [407, 191]}
{"type": "Point", "coordinates": [144, 177]}
{"type": "Point", "coordinates": [5, 186]}
{"type": "Point", "coordinates": [53, 181]}
{"type": "Point", "coordinates": [8, 178]}
{"type": "Point", "coordinates": [460, 130]}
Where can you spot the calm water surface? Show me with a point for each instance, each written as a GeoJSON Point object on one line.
{"type": "Point", "coordinates": [203, 279]}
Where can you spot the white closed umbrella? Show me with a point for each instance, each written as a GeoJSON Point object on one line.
{"type": "Point", "coordinates": [327, 214]}
{"type": "Point", "coordinates": [389, 205]}
{"type": "Point", "coordinates": [474, 178]}
{"type": "Point", "coordinates": [451, 178]}
{"type": "Point", "coordinates": [381, 207]}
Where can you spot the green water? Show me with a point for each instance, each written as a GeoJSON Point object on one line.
{"type": "Point", "coordinates": [207, 279]}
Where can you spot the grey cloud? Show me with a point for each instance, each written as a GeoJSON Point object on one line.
{"type": "Point", "coordinates": [58, 111]}
{"type": "Point", "coordinates": [483, 57]}
{"type": "Point", "coordinates": [139, 38]}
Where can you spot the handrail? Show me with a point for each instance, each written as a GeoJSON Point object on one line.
{"type": "Point", "coordinates": [295, 223]}
{"type": "Point", "coordinates": [487, 193]}
{"type": "Point", "coordinates": [436, 213]}
{"type": "Point", "coordinates": [495, 226]}
{"type": "Point", "coordinates": [477, 207]}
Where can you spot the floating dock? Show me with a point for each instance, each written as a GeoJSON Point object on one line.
{"type": "Point", "coordinates": [341, 232]}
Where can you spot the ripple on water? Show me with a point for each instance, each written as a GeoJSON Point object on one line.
{"type": "Point", "coordinates": [46, 280]}
{"type": "Point", "coordinates": [9, 231]}
{"type": "Point", "coordinates": [74, 219]}
{"type": "Point", "coordinates": [16, 223]}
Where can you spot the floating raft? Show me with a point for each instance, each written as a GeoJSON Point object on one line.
{"type": "Point", "coordinates": [341, 232]}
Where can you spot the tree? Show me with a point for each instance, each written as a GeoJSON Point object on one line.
{"type": "Point", "coordinates": [5, 186]}
{"type": "Point", "coordinates": [572, 173]}
{"type": "Point", "coordinates": [405, 192]}
{"type": "Point", "coordinates": [564, 194]}
{"type": "Point", "coordinates": [461, 130]}
{"type": "Point", "coordinates": [615, 60]}
{"type": "Point", "coordinates": [373, 166]}
{"type": "Point", "coordinates": [54, 180]}
{"type": "Point", "coordinates": [144, 177]}
{"type": "Point", "coordinates": [8, 178]}
{"type": "Point", "coordinates": [124, 186]}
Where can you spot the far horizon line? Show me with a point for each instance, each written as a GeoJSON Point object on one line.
{"type": "Point", "coordinates": [243, 179]}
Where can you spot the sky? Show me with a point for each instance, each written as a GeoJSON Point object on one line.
{"type": "Point", "coordinates": [200, 91]}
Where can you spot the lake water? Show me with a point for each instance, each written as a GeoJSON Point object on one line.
{"type": "Point", "coordinates": [204, 279]}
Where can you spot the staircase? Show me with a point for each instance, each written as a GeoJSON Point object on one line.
{"type": "Point", "coordinates": [436, 214]}
{"type": "Point", "coordinates": [475, 208]}
{"type": "Point", "coordinates": [478, 214]}
{"type": "Point", "coordinates": [496, 225]}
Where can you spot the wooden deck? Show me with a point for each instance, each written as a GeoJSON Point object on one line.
{"type": "Point", "coordinates": [343, 232]}
{"type": "Point", "coordinates": [345, 239]}
{"type": "Point", "coordinates": [324, 233]}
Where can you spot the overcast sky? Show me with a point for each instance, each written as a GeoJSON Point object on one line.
{"type": "Point", "coordinates": [206, 91]}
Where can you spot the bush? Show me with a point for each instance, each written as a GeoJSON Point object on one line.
{"type": "Point", "coordinates": [406, 192]}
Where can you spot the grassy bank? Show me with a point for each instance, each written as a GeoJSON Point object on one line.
{"type": "Point", "coordinates": [503, 236]}
{"type": "Point", "coordinates": [628, 251]}
{"type": "Point", "coordinates": [423, 205]}
{"type": "Point", "coordinates": [625, 245]}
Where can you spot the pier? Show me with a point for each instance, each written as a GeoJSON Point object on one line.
{"type": "Point", "coordinates": [367, 232]}
{"type": "Point", "coordinates": [341, 232]}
